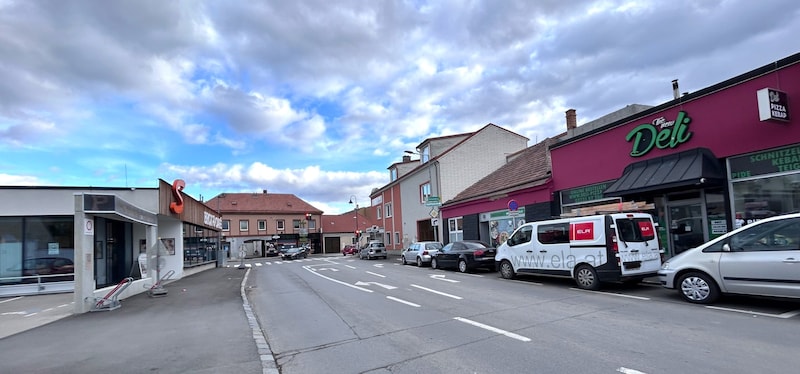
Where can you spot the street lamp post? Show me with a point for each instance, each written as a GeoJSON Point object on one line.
{"type": "Point", "coordinates": [353, 199]}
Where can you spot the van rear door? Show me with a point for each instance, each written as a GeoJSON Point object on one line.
{"type": "Point", "coordinates": [636, 241]}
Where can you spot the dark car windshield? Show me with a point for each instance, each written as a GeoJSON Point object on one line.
{"type": "Point", "coordinates": [294, 249]}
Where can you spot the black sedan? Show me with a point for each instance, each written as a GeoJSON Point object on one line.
{"type": "Point", "coordinates": [465, 256]}
{"type": "Point", "coordinates": [294, 253]}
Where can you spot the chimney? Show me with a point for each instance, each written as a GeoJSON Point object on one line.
{"type": "Point", "coordinates": [676, 93]}
{"type": "Point", "coordinates": [264, 191]}
{"type": "Point", "coordinates": [572, 119]}
{"type": "Point", "coordinates": [406, 158]}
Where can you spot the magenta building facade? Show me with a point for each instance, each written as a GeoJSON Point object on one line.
{"type": "Point", "coordinates": [709, 161]}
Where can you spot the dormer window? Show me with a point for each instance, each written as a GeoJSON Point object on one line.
{"type": "Point", "coordinates": [393, 174]}
{"type": "Point", "coordinates": [425, 154]}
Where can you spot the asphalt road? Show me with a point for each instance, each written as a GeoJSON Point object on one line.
{"type": "Point", "coordinates": [345, 315]}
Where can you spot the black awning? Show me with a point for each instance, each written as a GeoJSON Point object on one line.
{"type": "Point", "coordinates": [696, 166]}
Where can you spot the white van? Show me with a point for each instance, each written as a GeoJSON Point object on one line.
{"type": "Point", "coordinates": [589, 249]}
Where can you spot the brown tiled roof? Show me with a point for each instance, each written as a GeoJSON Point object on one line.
{"type": "Point", "coordinates": [526, 168]}
{"type": "Point", "coordinates": [346, 223]}
{"type": "Point", "coordinates": [264, 203]}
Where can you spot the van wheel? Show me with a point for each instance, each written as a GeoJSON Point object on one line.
{"type": "Point", "coordinates": [462, 266]}
{"type": "Point", "coordinates": [433, 263]}
{"type": "Point", "coordinates": [506, 270]}
{"type": "Point", "coordinates": [698, 288]}
{"type": "Point", "coordinates": [586, 278]}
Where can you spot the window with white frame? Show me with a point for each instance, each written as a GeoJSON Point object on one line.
{"type": "Point", "coordinates": [425, 155]}
{"type": "Point", "coordinates": [280, 225]}
{"type": "Point", "coordinates": [226, 225]}
{"type": "Point", "coordinates": [378, 213]}
{"type": "Point", "coordinates": [393, 174]}
{"type": "Point", "coordinates": [388, 238]}
{"type": "Point", "coordinates": [244, 225]}
{"type": "Point", "coordinates": [296, 224]}
{"type": "Point", "coordinates": [424, 192]}
{"type": "Point", "coordinates": [456, 226]}
{"type": "Point", "coordinates": [388, 209]}
{"type": "Point", "coordinates": [397, 238]}
{"type": "Point", "coordinates": [262, 225]}
{"type": "Point", "coordinates": [312, 224]}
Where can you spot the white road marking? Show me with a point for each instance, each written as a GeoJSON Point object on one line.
{"type": "Point", "coordinates": [11, 299]}
{"type": "Point", "coordinates": [12, 313]}
{"type": "Point", "coordinates": [437, 292]}
{"type": "Point", "coordinates": [335, 280]}
{"type": "Point", "coordinates": [613, 294]}
{"type": "Point", "coordinates": [386, 286]}
{"type": "Point", "coordinates": [629, 371]}
{"type": "Point", "coordinates": [258, 264]}
{"type": "Point", "coordinates": [782, 315]}
{"type": "Point", "coordinates": [442, 278]}
{"type": "Point", "coordinates": [402, 301]}
{"type": "Point", "coordinates": [351, 267]}
{"type": "Point", "coordinates": [376, 274]}
{"type": "Point", "coordinates": [493, 329]}
{"type": "Point", "coordinates": [331, 269]}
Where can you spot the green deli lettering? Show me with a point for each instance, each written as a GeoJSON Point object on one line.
{"type": "Point", "coordinates": [660, 133]}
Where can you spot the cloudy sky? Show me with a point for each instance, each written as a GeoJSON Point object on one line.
{"type": "Point", "coordinates": [317, 97]}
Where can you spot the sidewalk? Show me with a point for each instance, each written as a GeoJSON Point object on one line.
{"type": "Point", "coordinates": [203, 325]}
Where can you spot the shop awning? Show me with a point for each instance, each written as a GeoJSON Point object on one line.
{"type": "Point", "coordinates": [696, 166]}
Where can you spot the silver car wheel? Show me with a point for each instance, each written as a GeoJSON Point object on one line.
{"type": "Point", "coordinates": [506, 270]}
{"type": "Point", "coordinates": [699, 288]}
{"type": "Point", "coordinates": [419, 262]}
{"type": "Point", "coordinates": [462, 266]}
{"type": "Point", "coordinates": [404, 260]}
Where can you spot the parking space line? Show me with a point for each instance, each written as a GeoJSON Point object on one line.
{"type": "Point", "coordinates": [493, 329]}
{"type": "Point", "coordinates": [782, 315]}
{"type": "Point", "coordinates": [403, 301]}
{"type": "Point", "coordinates": [437, 292]}
{"type": "Point", "coordinates": [613, 294]}
{"type": "Point", "coordinates": [376, 274]}
{"type": "Point", "coordinates": [11, 299]}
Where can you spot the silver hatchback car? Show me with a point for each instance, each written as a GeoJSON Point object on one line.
{"type": "Point", "coordinates": [420, 253]}
{"type": "Point", "coordinates": [762, 258]}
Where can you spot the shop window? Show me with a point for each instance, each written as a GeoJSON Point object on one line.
{"type": "Point", "coordinates": [244, 225]}
{"type": "Point", "coordinates": [766, 197]}
{"type": "Point", "coordinates": [262, 225]}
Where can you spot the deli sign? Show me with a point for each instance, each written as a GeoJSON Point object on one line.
{"type": "Point", "coordinates": [660, 133]}
{"type": "Point", "coordinates": [772, 105]}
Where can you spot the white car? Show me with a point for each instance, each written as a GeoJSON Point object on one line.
{"type": "Point", "coordinates": [762, 258]}
{"type": "Point", "coordinates": [420, 253]}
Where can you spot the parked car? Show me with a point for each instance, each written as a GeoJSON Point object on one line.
{"type": "Point", "coordinates": [349, 250]}
{"type": "Point", "coordinates": [373, 250]}
{"type": "Point", "coordinates": [44, 266]}
{"type": "Point", "coordinates": [420, 253]}
{"type": "Point", "coordinates": [294, 253]}
{"type": "Point", "coordinates": [761, 258]}
{"type": "Point", "coordinates": [272, 251]}
{"type": "Point", "coordinates": [465, 256]}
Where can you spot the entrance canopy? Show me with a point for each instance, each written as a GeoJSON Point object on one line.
{"type": "Point", "coordinates": [696, 166]}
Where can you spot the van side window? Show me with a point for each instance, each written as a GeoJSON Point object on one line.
{"type": "Point", "coordinates": [557, 233]}
{"type": "Point", "coordinates": [782, 235]}
{"type": "Point", "coordinates": [522, 236]}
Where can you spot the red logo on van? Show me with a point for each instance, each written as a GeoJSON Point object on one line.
{"type": "Point", "coordinates": [647, 230]}
{"type": "Point", "coordinates": [581, 231]}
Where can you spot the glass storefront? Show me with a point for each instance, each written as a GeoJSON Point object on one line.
{"type": "Point", "coordinates": [199, 245]}
{"type": "Point", "coordinates": [764, 184]}
{"type": "Point", "coordinates": [36, 249]}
